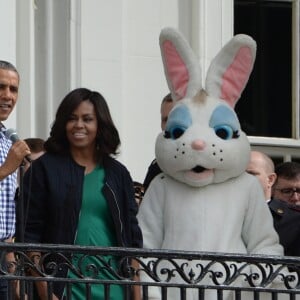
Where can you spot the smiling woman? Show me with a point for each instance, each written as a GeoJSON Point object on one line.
{"type": "Point", "coordinates": [80, 194]}
{"type": "Point", "coordinates": [81, 131]}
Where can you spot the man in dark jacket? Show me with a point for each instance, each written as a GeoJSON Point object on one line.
{"type": "Point", "coordinates": [280, 185]}
{"type": "Point", "coordinates": [286, 210]}
{"type": "Point", "coordinates": [287, 224]}
{"type": "Point", "coordinates": [287, 184]}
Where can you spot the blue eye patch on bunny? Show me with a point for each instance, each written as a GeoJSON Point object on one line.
{"type": "Point", "coordinates": [225, 123]}
{"type": "Point", "coordinates": [179, 120]}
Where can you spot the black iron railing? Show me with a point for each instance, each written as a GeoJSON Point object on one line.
{"type": "Point", "coordinates": [167, 274]}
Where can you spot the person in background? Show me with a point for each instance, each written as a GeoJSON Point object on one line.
{"type": "Point", "coordinates": [287, 184]}
{"type": "Point", "coordinates": [286, 217]}
{"type": "Point", "coordinates": [80, 194]}
{"type": "Point", "coordinates": [138, 192]}
{"type": "Point", "coordinates": [36, 146]}
{"type": "Point", "coordinates": [285, 206]}
{"type": "Point", "coordinates": [262, 166]}
{"type": "Point", "coordinates": [165, 108]}
{"type": "Point", "coordinates": [154, 169]}
{"type": "Point", "coordinates": [11, 157]}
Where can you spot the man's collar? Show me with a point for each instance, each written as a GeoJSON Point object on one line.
{"type": "Point", "coordinates": [2, 128]}
{"type": "Point", "coordinates": [286, 204]}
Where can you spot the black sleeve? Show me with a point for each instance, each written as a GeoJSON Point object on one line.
{"type": "Point", "coordinates": [135, 231]}
{"type": "Point", "coordinates": [152, 172]}
{"type": "Point", "coordinates": [34, 196]}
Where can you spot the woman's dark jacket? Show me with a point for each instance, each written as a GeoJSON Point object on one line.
{"type": "Point", "coordinates": [55, 191]}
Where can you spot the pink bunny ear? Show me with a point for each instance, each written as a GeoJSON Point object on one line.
{"type": "Point", "coordinates": [229, 72]}
{"type": "Point", "coordinates": [181, 66]}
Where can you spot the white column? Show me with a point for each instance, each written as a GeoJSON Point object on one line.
{"type": "Point", "coordinates": [212, 28]}
{"type": "Point", "coordinates": [26, 66]}
{"type": "Point", "coordinates": [75, 43]}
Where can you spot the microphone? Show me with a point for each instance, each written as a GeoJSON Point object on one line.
{"type": "Point", "coordinates": [13, 137]}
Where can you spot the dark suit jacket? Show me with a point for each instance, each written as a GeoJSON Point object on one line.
{"type": "Point", "coordinates": [287, 224]}
{"type": "Point", "coordinates": [153, 171]}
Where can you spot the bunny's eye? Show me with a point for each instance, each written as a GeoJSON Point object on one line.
{"type": "Point", "coordinates": [179, 120]}
{"type": "Point", "coordinates": [174, 133]}
{"type": "Point", "coordinates": [225, 132]}
{"type": "Point", "coordinates": [225, 123]}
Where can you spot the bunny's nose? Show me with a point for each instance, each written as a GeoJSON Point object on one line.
{"type": "Point", "coordinates": [198, 145]}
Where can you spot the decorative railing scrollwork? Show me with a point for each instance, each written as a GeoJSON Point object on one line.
{"type": "Point", "coordinates": [155, 267]}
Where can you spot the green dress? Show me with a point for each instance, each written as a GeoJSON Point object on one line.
{"type": "Point", "coordinates": [95, 228]}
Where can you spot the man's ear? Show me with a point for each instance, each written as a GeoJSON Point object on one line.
{"type": "Point", "coordinates": [271, 179]}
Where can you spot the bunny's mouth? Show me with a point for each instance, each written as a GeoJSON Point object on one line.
{"type": "Point", "coordinates": [199, 174]}
{"type": "Point", "coordinates": [199, 169]}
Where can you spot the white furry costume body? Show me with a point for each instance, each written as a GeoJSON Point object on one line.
{"type": "Point", "coordinates": [206, 201]}
{"type": "Point", "coordinates": [174, 215]}
{"type": "Point", "coordinates": [226, 217]}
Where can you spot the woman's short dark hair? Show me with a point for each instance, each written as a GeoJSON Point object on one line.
{"type": "Point", "coordinates": [108, 139]}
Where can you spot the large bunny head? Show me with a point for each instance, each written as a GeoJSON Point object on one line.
{"type": "Point", "coordinates": [203, 142]}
